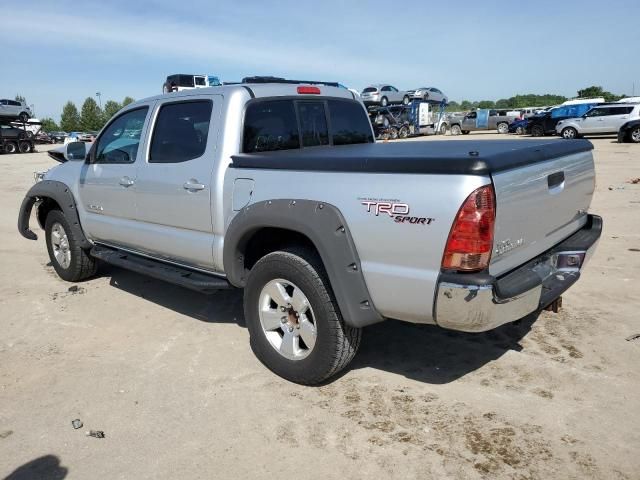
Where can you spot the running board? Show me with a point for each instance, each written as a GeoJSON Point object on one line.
{"type": "Point", "coordinates": [198, 281]}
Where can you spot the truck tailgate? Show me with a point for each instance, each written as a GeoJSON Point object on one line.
{"type": "Point", "coordinates": [538, 206]}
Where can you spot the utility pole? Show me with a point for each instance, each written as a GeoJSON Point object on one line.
{"type": "Point", "coordinates": [99, 95]}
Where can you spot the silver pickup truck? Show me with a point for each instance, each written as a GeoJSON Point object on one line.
{"type": "Point", "coordinates": [481, 120]}
{"type": "Point", "coordinates": [279, 189]}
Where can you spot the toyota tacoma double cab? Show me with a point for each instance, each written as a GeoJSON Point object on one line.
{"type": "Point", "coordinates": [279, 189]}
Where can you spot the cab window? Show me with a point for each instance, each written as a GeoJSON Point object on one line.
{"type": "Point", "coordinates": [120, 140]}
{"type": "Point", "coordinates": [180, 132]}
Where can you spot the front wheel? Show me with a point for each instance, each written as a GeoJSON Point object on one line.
{"type": "Point", "coordinates": [503, 128]}
{"type": "Point", "coordinates": [443, 129]}
{"type": "Point", "coordinates": [23, 117]}
{"type": "Point", "coordinates": [294, 322]}
{"type": "Point", "coordinates": [519, 131]}
{"type": "Point", "coordinates": [10, 147]}
{"type": "Point", "coordinates": [456, 130]}
{"type": "Point", "coordinates": [634, 135]}
{"type": "Point", "coordinates": [537, 131]}
{"type": "Point", "coordinates": [24, 147]}
{"type": "Point", "coordinates": [405, 100]}
{"type": "Point", "coordinates": [569, 132]}
{"type": "Point", "coordinates": [404, 132]}
{"type": "Point", "coordinates": [69, 260]}
{"type": "Point", "coordinates": [384, 102]}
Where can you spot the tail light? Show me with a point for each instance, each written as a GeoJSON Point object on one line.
{"type": "Point", "coordinates": [471, 239]}
{"type": "Point", "coordinates": [309, 90]}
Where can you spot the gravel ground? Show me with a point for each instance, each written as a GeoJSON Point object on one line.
{"type": "Point", "coordinates": [169, 377]}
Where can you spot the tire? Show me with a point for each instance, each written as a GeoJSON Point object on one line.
{"type": "Point", "coordinates": [334, 343]}
{"type": "Point", "coordinates": [404, 132]}
{"type": "Point", "coordinates": [393, 133]}
{"type": "Point", "coordinates": [29, 134]}
{"type": "Point", "coordinates": [455, 130]}
{"type": "Point", "coordinates": [503, 128]}
{"type": "Point", "coordinates": [537, 131]}
{"type": "Point", "coordinates": [405, 100]}
{"type": "Point", "coordinates": [23, 117]}
{"type": "Point", "coordinates": [634, 135]}
{"type": "Point", "coordinates": [10, 147]}
{"type": "Point", "coordinates": [465, 132]}
{"type": "Point", "coordinates": [519, 131]}
{"type": "Point", "coordinates": [70, 262]}
{"type": "Point", "coordinates": [384, 102]}
{"type": "Point", "coordinates": [425, 97]}
{"type": "Point", "coordinates": [24, 147]}
{"type": "Point", "coordinates": [569, 133]}
{"type": "Point", "coordinates": [443, 129]}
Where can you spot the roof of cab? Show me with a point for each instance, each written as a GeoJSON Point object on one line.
{"type": "Point", "coordinates": [256, 90]}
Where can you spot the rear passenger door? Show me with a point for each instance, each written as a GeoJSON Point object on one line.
{"type": "Point", "coordinates": [615, 118]}
{"type": "Point", "coordinates": [174, 182]}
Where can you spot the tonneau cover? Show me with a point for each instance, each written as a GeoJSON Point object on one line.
{"type": "Point", "coordinates": [471, 157]}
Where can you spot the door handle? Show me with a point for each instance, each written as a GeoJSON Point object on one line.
{"type": "Point", "coordinates": [126, 181]}
{"type": "Point", "coordinates": [193, 185]}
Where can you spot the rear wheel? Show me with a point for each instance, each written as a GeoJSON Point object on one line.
{"type": "Point", "coordinates": [393, 133]}
{"type": "Point", "coordinates": [634, 135]}
{"type": "Point", "coordinates": [503, 128]}
{"type": "Point", "coordinates": [569, 132]}
{"type": "Point", "coordinates": [23, 117]}
{"type": "Point", "coordinates": [384, 102]}
{"type": "Point", "coordinates": [405, 100]}
{"type": "Point", "coordinates": [69, 260]}
{"type": "Point", "coordinates": [24, 147]}
{"type": "Point", "coordinates": [456, 130]}
{"type": "Point", "coordinates": [537, 131]}
{"type": "Point", "coordinates": [465, 132]}
{"type": "Point", "coordinates": [443, 129]}
{"type": "Point", "coordinates": [404, 132]}
{"type": "Point", "coordinates": [295, 325]}
{"type": "Point", "coordinates": [519, 130]}
{"type": "Point", "coordinates": [10, 147]}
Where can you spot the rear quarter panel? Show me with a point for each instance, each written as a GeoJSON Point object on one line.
{"type": "Point", "coordinates": [400, 261]}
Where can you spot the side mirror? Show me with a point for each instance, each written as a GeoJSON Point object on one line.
{"type": "Point", "coordinates": [76, 151]}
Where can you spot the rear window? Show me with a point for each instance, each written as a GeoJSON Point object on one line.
{"type": "Point", "coordinates": [270, 126]}
{"type": "Point", "coordinates": [287, 124]}
{"type": "Point", "coordinates": [348, 124]}
{"type": "Point", "coordinates": [369, 90]}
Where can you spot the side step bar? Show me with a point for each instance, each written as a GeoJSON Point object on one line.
{"type": "Point", "coordinates": [198, 281]}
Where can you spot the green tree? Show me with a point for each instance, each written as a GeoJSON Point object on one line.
{"type": "Point", "coordinates": [127, 100]}
{"type": "Point", "coordinates": [91, 115]}
{"type": "Point", "coordinates": [20, 98]}
{"type": "Point", "coordinates": [110, 109]}
{"type": "Point", "coordinates": [70, 119]}
{"type": "Point", "coordinates": [466, 105]}
{"type": "Point", "coordinates": [597, 91]}
{"type": "Point", "coordinates": [49, 125]}
{"type": "Point", "coordinates": [486, 104]}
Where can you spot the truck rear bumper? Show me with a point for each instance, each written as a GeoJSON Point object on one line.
{"type": "Point", "coordinates": [480, 302]}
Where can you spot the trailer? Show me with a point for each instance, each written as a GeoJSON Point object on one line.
{"type": "Point", "coordinates": [420, 117]}
{"type": "Point", "coordinates": [21, 144]}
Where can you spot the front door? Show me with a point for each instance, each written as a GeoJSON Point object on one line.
{"type": "Point", "coordinates": [107, 179]}
{"type": "Point", "coordinates": [174, 182]}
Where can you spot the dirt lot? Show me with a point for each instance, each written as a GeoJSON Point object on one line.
{"type": "Point", "coordinates": [169, 376]}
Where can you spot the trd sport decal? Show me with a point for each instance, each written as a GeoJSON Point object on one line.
{"type": "Point", "coordinates": [396, 210]}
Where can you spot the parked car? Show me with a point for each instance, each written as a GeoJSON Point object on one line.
{"type": "Point", "coordinates": [630, 132]}
{"type": "Point", "coordinates": [481, 119]}
{"type": "Point", "coordinates": [423, 232]}
{"type": "Point", "coordinates": [73, 137]}
{"type": "Point", "coordinates": [519, 126]}
{"type": "Point", "coordinates": [603, 119]}
{"type": "Point", "coordinates": [383, 95]}
{"type": "Point", "coordinates": [43, 137]}
{"type": "Point", "coordinates": [545, 123]}
{"type": "Point", "coordinates": [428, 93]}
{"type": "Point", "coordinates": [58, 136]}
{"type": "Point", "coordinates": [13, 109]}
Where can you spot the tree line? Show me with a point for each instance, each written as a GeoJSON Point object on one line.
{"type": "Point", "coordinates": [90, 117]}
{"type": "Point", "coordinates": [531, 100]}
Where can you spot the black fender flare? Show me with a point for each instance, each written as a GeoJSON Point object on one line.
{"type": "Point", "coordinates": [62, 195]}
{"type": "Point", "coordinates": [324, 225]}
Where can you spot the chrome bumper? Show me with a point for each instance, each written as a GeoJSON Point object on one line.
{"type": "Point", "coordinates": [490, 302]}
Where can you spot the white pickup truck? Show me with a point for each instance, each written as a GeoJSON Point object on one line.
{"type": "Point", "coordinates": [279, 188]}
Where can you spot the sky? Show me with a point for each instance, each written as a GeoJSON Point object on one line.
{"type": "Point", "coordinates": [55, 51]}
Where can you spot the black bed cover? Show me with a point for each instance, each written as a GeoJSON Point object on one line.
{"type": "Point", "coordinates": [472, 157]}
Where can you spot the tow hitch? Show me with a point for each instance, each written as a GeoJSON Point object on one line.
{"type": "Point", "coordinates": [554, 306]}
